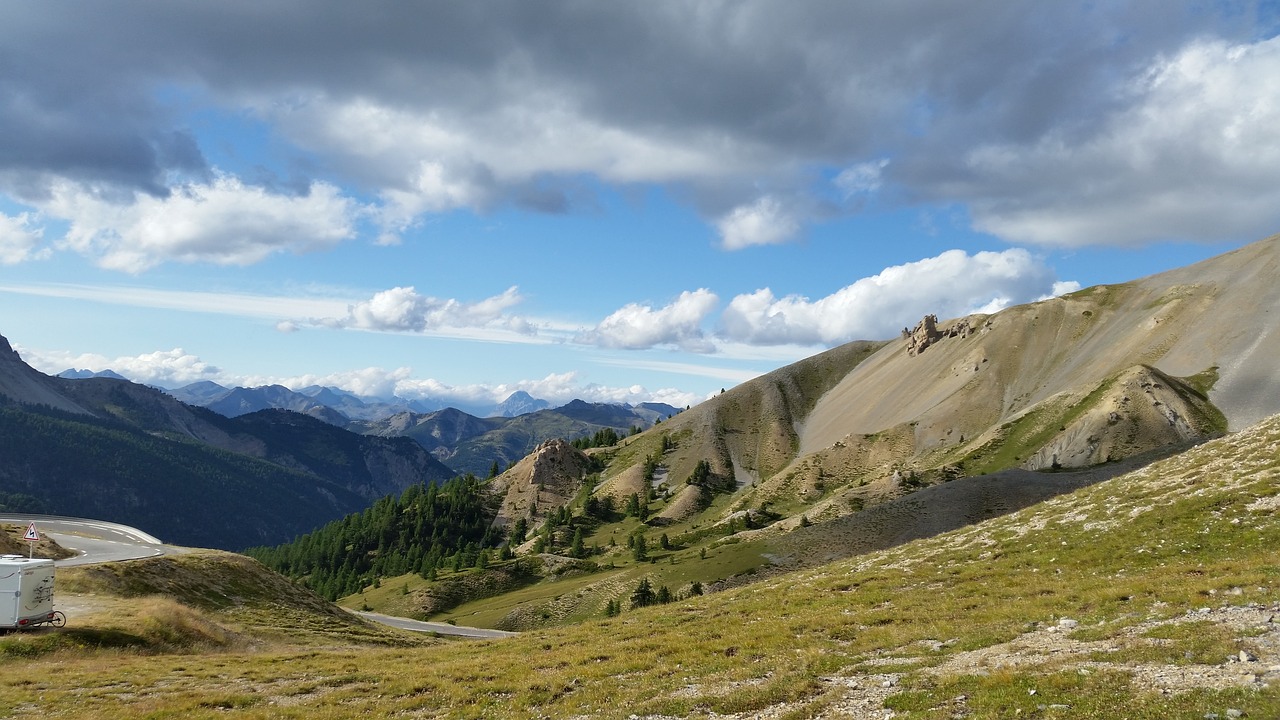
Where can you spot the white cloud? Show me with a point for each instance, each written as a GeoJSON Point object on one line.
{"type": "Point", "coordinates": [1193, 154]}
{"type": "Point", "coordinates": [556, 388]}
{"type": "Point", "coordinates": [19, 239]}
{"type": "Point", "coordinates": [224, 222]}
{"type": "Point", "coordinates": [1064, 287]}
{"type": "Point", "coordinates": [560, 388]}
{"type": "Point", "coordinates": [861, 178]}
{"type": "Point", "coordinates": [764, 222]}
{"type": "Point", "coordinates": [635, 326]}
{"type": "Point", "coordinates": [367, 382]}
{"type": "Point", "coordinates": [176, 368]}
{"type": "Point", "coordinates": [951, 284]}
{"type": "Point", "coordinates": [165, 368]}
{"type": "Point", "coordinates": [402, 309]}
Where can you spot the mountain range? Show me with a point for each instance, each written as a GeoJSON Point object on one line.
{"type": "Point", "coordinates": [115, 450]}
{"type": "Point", "coordinates": [464, 441]}
{"type": "Point", "coordinates": [229, 468]}
{"type": "Point", "coordinates": [468, 442]}
{"type": "Point", "coordinates": [331, 404]}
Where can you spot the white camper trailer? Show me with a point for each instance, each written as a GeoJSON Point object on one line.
{"type": "Point", "coordinates": [26, 592]}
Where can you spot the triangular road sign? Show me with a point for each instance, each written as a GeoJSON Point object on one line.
{"type": "Point", "coordinates": [32, 535]}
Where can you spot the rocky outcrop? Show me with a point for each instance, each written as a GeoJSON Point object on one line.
{"type": "Point", "coordinates": [545, 480]}
{"type": "Point", "coordinates": [927, 333]}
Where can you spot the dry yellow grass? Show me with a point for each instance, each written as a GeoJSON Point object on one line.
{"type": "Point", "coordinates": [1165, 571]}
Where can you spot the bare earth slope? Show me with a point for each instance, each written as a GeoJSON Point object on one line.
{"type": "Point", "coordinates": [1093, 377]}
{"type": "Point", "coordinates": [1220, 313]}
{"type": "Point", "coordinates": [20, 384]}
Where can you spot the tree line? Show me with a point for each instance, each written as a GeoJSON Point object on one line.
{"type": "Point", "coordinates": [429, 527]}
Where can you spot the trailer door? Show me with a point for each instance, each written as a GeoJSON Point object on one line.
{"type": "Point", "coordinates": [10, 595]}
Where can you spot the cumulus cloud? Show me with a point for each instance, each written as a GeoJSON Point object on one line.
{"type": "Point", "coordinates": [371, 382]}
{"type": "Point", "coordinates": [635, 326]}
{"type": "Point", "coordinates": [556, 388]}
{"type": "Point", "coordinates": [164, 368]}
{"type": "Point", "coordinates": [1193, 154]}
{"type": "Point", "coordinates": [224, 222]}
{"type": "Point", "coordinates": [767, 221]}
{"type": "Point", "coordinates": [176, 368]}
{"type": "Point", "coordinates": [20, 239]}
{"type": "Point", "coordinates": [952, 284]}
{"type": "Point", "coordinates": [403, 309]}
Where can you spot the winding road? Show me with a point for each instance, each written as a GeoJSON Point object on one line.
{"type": "Point", "coordinates": [96, 541]}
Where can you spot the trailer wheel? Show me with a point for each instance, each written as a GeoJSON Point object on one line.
{"type": "Point", "coordinates": [58, 619]}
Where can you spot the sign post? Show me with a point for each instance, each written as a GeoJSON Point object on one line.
{"type": "Point", "coordinates": [32, 537]}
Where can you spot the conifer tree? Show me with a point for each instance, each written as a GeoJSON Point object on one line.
{"type": "Point", "coordinates": [640, 550]}
{"type": "Point", "coordinates": [643, 595]}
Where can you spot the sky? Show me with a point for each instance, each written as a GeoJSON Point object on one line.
{"type": "Point", "coordinates": [618, 202]}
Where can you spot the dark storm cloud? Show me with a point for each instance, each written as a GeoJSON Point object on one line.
{"type": "Point", "coordinates": [738, 105]}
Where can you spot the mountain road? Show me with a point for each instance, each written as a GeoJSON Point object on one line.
{"type": "Point", "coordinates": [435, 627]}
{"type": "Point", "coordinates": [96, 541]}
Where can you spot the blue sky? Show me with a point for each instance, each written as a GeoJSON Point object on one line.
{"type": "Point", "coordinates": [613, 202]}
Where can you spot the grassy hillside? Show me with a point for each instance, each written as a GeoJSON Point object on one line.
{"type": "Point", "coordinates": [1152, 595]}
{"type": "Point", "coordinates": [201, 603]}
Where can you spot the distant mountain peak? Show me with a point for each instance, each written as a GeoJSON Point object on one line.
{"type": "Point", "coordinates": [519, 403]}
{"type": "Point", "coordinates": [76, 374]}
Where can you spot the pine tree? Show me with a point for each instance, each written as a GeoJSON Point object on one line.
{"type": "Point", "coordinates": [643, 595]}
{"type": "Point", "coordinates": [640, 550]}
{"type": "Point", "coordinates": [575, 547]}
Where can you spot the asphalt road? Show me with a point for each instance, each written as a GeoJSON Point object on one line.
{"type": "Point", "coordinates": [435, 627]}
{"type": "Point", "coordinates": [100, 542]}
{"type": "Point", "coordinates": [94, 540]}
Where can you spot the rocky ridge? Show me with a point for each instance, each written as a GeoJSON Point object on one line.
{"type": "Point", "coordinates": [545, 480]}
